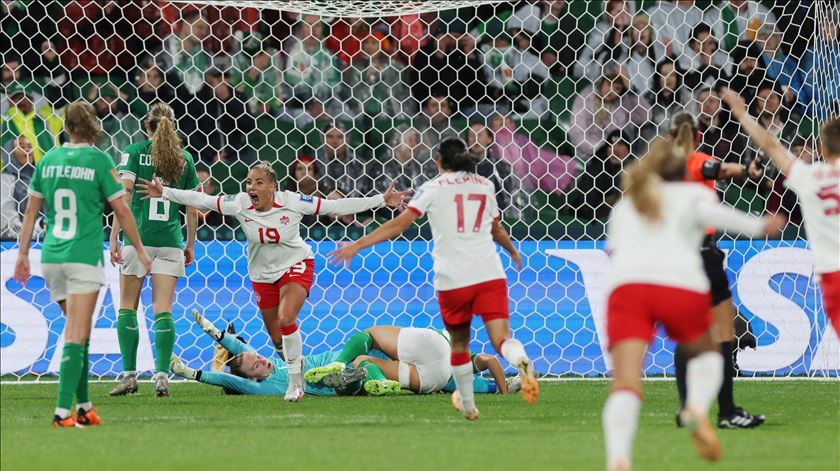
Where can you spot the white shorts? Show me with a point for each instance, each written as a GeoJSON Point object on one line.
{"type": "Point", "coordinates": [429, 352]}
{"type": "Point", "coordinates": [71, 278]}
{"type": "Point", "coordinates": [165, 261]}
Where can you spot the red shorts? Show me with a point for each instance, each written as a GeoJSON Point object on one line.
{"type": "Point", "coordinates": [831, 297]}
{"type": "Point", "coordinates": [633, 310]}
{"type": "Point", "coordinates": [488, 300]}
{"type": "Point", "coordinates": [268, 294]}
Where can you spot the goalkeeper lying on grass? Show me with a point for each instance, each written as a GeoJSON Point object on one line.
{"type": "Point", "coordinates": [253, 374]}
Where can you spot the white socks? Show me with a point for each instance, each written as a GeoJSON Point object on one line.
{"type": "Point", "coordinates": [85, 406]}
{"type": "Point", "coordinates": [293, 349]}
{"type": "Point", "coordinates": [463, 375]}
{"type": "Point", "coordinates": [704, 375]}
{"type": "Point", "coordinates": [62, 413]}
{"type": "Point", "coordinates": [620, 420]}
{"type": "Point", "coordinates": [513, 351]}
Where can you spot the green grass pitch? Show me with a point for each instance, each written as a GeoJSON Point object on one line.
{"type": "Point", "coordinates": [198, 428]}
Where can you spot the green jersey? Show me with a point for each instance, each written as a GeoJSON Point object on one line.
{"type": "Point", "coordinates": [158, 219]}
{"type": "Point", "coordinates": [74, 181]}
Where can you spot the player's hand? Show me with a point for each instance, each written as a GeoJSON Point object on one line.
{"type": "Point", "coordinates": [189, 255]}
{"type": "Point", "coordinates": [150, 189]}
{"type": "Point", "coordinates": [116, 253]}
{"type": "Point", "coordinates": [517, 260]}
{"type": "Point", "coordinates": [773, 224]}
{"type": "Point", "coordinates": [179, 368]}
{"type": "Point", "coordinates": [734, 100]}
{"type": "Point", "coordinates": [206, 325]}
{"type": "Point", "coordinates": [144, 259]}
{"type": "Point", "coordinates": [343, 254]}
{"type": "Point", "coordinates": [396, 199]}
{"type": "Point", "coordinates": [22, 269]}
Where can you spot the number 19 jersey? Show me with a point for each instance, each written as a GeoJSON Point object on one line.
{"type": "Point", "coordinates": [74, 181]}
{"type": "Point", "coordinates": [461, 208]}
{"type": "Point", "coordinates": [158, 220]}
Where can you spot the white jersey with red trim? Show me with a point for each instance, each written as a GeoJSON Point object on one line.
{"type": "Point", "coordinates": [817, 187]}
{"type": "Point", "coordinates": [274, 241]}
{"type": "Point", "coordinates": [666, 252]}
{"type": "Point", "coordinates": [461, 208]}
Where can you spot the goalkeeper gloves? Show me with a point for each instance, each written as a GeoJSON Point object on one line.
{"type": "Point", "coordinates": [179, 368]}
{"type": "Point", "coordinates": [207, 326]}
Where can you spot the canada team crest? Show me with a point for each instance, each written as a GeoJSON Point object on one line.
{"type": "Point", "coordinates": [284, 220]}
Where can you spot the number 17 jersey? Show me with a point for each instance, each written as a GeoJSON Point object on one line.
{"type": "Point", "coordinates": [158, 220]}
{"type": "Point", "coordinates": [461, 207]}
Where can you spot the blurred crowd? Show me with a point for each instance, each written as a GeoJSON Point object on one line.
{"type": "Point", "coordinates": [226, 70]}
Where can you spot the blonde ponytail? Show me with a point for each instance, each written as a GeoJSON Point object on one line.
{"type": "Point", "coordinates": [663, 161]}
{"type": "Point", "coordinates": [167, 156]}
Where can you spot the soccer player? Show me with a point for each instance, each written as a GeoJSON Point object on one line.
{"type": "Point", "coordinates": [72, 183]}
{"type": "Point", "coordinates": [418, 360]}
{"type": "Point", "coordinates": [657, 276]}
{"type": "Point", "coordinates": [705, 169]}
{"type": "Point", "coordinates": [253, 374]}
{"type": "Point", "coordinates": [280, 264]}
{"type": "Point", "coordinates": [469, 278]}
{"type": "Point", "coordinates": [159, 222]}
{"type": "Point", "coordinates": [817, 186]}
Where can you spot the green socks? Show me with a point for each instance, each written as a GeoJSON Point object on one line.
{"type": "Point", "coordinates": [129, 338]}
{"type": "Point", "coordinates": [373, 371]}
{"type": "Point", "coordinates": [359, 344]}
{"type": "Point", "coordinates": [164, 341]}
{"type": "Point", "coordinates": [69, 374]}
{"type": "Point", "coordinates": [82, 395]}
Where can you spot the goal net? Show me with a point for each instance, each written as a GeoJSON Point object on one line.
{"type": "Point", "coordinates": [343, 97]}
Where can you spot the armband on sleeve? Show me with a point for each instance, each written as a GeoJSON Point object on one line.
{"type": "Point", "coordinates": [710, 169]}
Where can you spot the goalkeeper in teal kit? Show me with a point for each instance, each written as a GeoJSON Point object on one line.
{"type": "Point", "coordinates": [253, 374]}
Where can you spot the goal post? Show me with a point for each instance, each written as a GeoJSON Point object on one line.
{"type": "Point", "coordinates": [342, 97]}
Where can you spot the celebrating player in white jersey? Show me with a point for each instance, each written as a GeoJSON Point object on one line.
{"type": "Point", "coordinates": [469, 278]}
{"type": "Point", "coordinates": [817, 186]}
{"type": "Point", "coordinates": [657, 277]}
{"type": "Point", "coordinates": [280, 264]}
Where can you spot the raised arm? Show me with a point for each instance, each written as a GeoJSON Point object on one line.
{"type": "Point", "coordinates": [771, 146]}
{"type": "Point", "coordinates": [485, 362]}
{"type": "Point", "coordinates": [389, 230]}
{"type": "Point", "coordinates": [229, 342]}
{"type": "Point", "coordinates": [501, 237]}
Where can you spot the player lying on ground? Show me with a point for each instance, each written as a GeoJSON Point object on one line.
{"type": "Point", "coordinates": [159, 223]}
{"type": "Point", "coordinates": [418, 360]}
{"type": "Point", "coordinates": [253, 374]}
{"type": "Point", "coordinates": [818, 187]}
{"type": "Point", "coordinates": [656, 277]}
{"type": "Point", "coordinates": [705, 169]}
{"type": "Point", "coordinates": [280, 264]}
{"type": "Point", "coordinates": [72, 183]}
{"type": "Point", "coordinates": [469, 278]}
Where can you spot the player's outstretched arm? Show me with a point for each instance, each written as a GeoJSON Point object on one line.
{"type": "Point", "coordinates": [387, 231]}
{"type": "Point", "coordinates": [345, 206]}
{"type": "Point", "coordinates": [225, 380]}
{"type": "Point", "coordinates": [780, 156]}
{"type": "Point", "coordinates": [485, 362]}
{"type": "Point", "coordinates": [229, 342]}
{"type": "Point", "coordinates": [501, 237]}
{"type": "Point", "coordinates": [195, 199]}
{"type": "Point", "coordinates": [33, 207]}
{"type": "Point", "coordinates": [714, 214]}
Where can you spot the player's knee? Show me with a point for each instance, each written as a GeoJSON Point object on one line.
{"type": "Point", "coordinates": [359, 359]}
